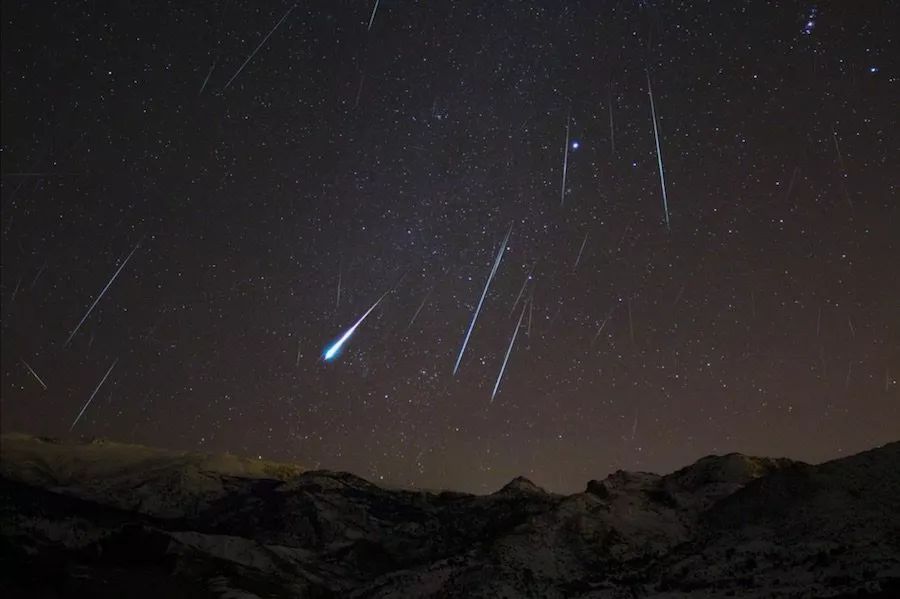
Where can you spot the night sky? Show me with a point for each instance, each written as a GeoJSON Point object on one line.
{"type": "Point", "coordinates": [358, 154]}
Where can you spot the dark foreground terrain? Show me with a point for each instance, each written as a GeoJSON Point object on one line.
{"type": "Point", "coordinates": [109, 520]}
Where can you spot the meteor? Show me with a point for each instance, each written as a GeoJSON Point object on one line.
{"type": "Point", "coordinates": [102, 292]}
{"type": "Point", "coordinates": [522, 290]}
{"type": "Point", "coordinates": [462, 350]}
{"type": "Point", "coordinates": [261, 44]}
{"type": "Point", "coordinates": [662, 177]}
{"type": "Point", "coordinates": [512, 342]}
{"type": "Point", "coordinates": [372, 18]}
{"type": "Point", "coordinates": [580, 251]}
{"type": "Point", "coordinates": [565, 168]}
{"type": "Point", "coordinates": [332, 351]}
{"type": "Point", "coordinates": [422, 305]}
{"type": "Point", "coordinates": [91, 398]}
{"type": "Point", "coordinates": [34, 374]}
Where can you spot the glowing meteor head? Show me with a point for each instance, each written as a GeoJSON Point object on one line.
{"type": "Point", "coordinates": [333, 350]}
{"type": "Point", "coordinates": [576, 144]}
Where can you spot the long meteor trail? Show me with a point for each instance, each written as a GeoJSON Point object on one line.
{"type": "Point", "coordinates": [462, 350]}
{"type": "Point", "coordinates": [512, 342]}
{"type": "Point", "coordinates": [562, 191]}
{"type": "Point", "coordinates": [261, 44]}
{"type": "Point", "coordinates": [332, 351]}
{"type": "Point", "coordinates": [91, 398]}
{"type": "Point", "coordinates": [662, 178]}
{"type": "Point", "coordinates": [102, 292]}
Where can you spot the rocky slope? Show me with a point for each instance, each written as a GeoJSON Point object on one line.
{"type": "Point", "coordinates": [111, 520]}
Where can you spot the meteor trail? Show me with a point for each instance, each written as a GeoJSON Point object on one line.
{"type": "Point", "coordinates": [512, 342]}
{"type": "Point", "coordinates": [662, 178]}
{"type": "Point", "coordinates": [34, 374]}
{"type": "Point", "coordinates": [419, 309]}
{"type": "Point", "coordinates": [102, 293]}
{"type": "Point", "coordinates": [264, 40]}
{"type": "Point", "coordinates": [562, 191]}
{"type": "Point", "coordinates": [600, 330]}
{"type": "Point", "coordinates": [530, 314]}
{"type": "Point", "coordinates": [91, 398]}
{"type": "Point", "coordinates": [38, 275]}
{"type": "Point", "coordinates": [359, 91]}
{"type": "Point", "coordinates": [522, 290]}
{"type": "Point", "coordinates": [372, 18]}
{"type": "Point", "coordinates": [332, 351]}
{"type": "Point", "coordinates": [612, 130]}
{"type": "Point", "coordinates": [790, 186]}
{"type": "Point", "coordinates": [208, 75]}
{"type": "Point", "coordinates": [840, 158]}
{"type": "Point", "coordinates": [578, 259]}
{"type": "Point", "coordinates": [337, 301]}
{"type": "Point", "coordinates": [15, 291]}
{"type": "Point", "coordinates": [462, 350]}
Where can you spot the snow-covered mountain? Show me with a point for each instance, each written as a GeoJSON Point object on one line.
{"type": "Point", "coordinates": [104, 519]}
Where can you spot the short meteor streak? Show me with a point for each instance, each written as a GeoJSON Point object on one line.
{"type": "Point", "coordinates": [562, 191]}
{"type": "Point", "coordinates": [530, 314]}
{"type": "Point", "coordinates": [372, 18]}
{"type": "Point", "coordinates": [419, 309]}
{"type": "Point", "coordinates": [102, 293]}
{"type": "Point", "coordinates": [512, 342]}
{"type": "Point", "coordinates": [91, 398]}
{"type": "Point", "coordinates": [34, 374]}
{"type": "Point", "coordinates": [662, 178]}
{"type": "Point", "coordinates": [600, 330]}
{"type": "Point", "coordinates": [208, 75]}
{"type": "Point", "coordinates": [332, 351]}
{"type": "Point", "coordinates": [462, 350]}
{"type": "Point", "coordinates": [261, 44]}
{"type": "Point", "coordinates": [522, 290]}
{"type": "Point", "coordinates": [612, 130]}
{"type": "Point", "coordinates": [337, 301]}
{"type": "Point", "coordinates": [578, 259]}
{"type": "Point", "coordinates": [843, 173]}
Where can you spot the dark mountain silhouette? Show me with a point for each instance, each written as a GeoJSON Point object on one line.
{"type": "Point", "coordinates": [103, 519]}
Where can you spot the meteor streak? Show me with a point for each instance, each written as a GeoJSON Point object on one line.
{"type": "Point", "coordinates": [372, 18]}
{"type": "Point", "coordinates": [34, 374]}
{"type": "Point", "coordinates": [522, 290]}
{"type": "Point", "coordinates": [422, 305]}
{"type": "Point", "coordinates": [91, 398]}
{"type": "Point", "coordinates": [530, 313]}
{"type": "Point", "coordinates": [562, 191]}
{"type": "Point", "coordinates": [261, 44]}
{"type": "Point", "coordinates": [102, 293]}
{"type": "Point", "coordinates": [512, 342]}
{"type": "Point", "coordinates": [462, 350]}
{"type": "Point", "coordinates": [332, 351]}
{"type": "Point", "coordinates": [662, 178]}
{"type": "Point", "coordinates": [612, 130]}
{"type": "Point", "coordinates": [580, 251]}
{"type": "Point", "coordinates": [337, 301]}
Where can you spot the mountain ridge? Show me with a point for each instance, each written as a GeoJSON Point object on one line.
{"type": "Point", "coordinates": [89, 518]}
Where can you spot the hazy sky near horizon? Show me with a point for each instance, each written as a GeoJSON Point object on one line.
{"type": "Point", "coordinates": [198, 201]}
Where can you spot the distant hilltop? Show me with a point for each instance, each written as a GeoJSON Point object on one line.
{"type": "Point", "coordinates": [109, 519]}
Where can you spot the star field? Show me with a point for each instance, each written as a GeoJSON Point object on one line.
{"type": "Point", "coordinates": [272, 204]}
